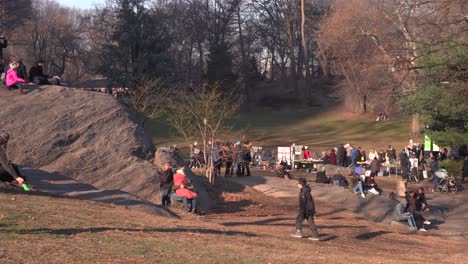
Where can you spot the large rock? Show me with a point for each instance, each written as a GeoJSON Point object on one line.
{"type": "Point", "coordinates": [88, 136]}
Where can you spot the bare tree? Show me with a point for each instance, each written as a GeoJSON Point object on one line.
{"type": "Point", "coordinates": [203, 114]}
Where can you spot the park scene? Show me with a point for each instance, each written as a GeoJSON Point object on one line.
{"type": "Point", "coordinates": [233, 131]}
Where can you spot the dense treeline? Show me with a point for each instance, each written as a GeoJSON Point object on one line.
{"type": "Point", "coordinates": [380, 52]}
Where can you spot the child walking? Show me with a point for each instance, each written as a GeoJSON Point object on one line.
{"type": "Point", "coordinates": [306, 211]}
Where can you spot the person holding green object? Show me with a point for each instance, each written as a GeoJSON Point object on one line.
{"type": "Point", "coordinates": [8, 171]}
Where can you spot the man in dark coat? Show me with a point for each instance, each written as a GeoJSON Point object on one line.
{"type": "Point", "coordinates": [21, 71]}
{"type": "Point", "coordinates": [166, 182]}
{"type": "Point", "coordinates": [404, 163]}
{"type": "Point", "coordinates": [3, 45]}
{"type": "Point", "coordinates": [36, 74]}
{"type": "Point", "coordinates": [465, 169]}
{"type": "Point", "coordinates": [306, 211]}
{"type": "Point", "coordinates": [341, 156]}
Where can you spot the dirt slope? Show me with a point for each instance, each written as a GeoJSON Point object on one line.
{"type": "Point", "coordinates": [88, 136]}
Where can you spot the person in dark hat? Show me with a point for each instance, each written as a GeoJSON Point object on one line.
{"type": "Point", "coordinates": [8, 172]}
{"type": "Point", "coordinates": [306, 211]}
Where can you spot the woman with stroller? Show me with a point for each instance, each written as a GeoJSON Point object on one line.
{"type": "Point", "coordinates": [434, 165]}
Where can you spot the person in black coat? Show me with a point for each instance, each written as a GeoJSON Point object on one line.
{"type": "Point", "coordinates": [465, 169]}
{"type": "Point", "coordinates": [404, 163]}
{"type": "Point", "coordinates": [341, 156]}
{"type": "Point", "coordinates": [36, 74]}
{"type": "Point", "coordinates": [3, 45]}
{"type": "Point", "coordinates": [21, 71]}
{"type": "Point", "coordinates": [166, 182]}
{"type": "Point", "coordinates": [306, 211]}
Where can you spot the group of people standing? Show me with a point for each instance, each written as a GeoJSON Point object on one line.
{"type": "Point", "coordinates": [235, 158]}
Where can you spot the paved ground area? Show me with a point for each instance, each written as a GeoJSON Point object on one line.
{"type": "Point", "coordinates": [448, 211]}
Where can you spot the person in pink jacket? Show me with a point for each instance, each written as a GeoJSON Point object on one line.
{"type": "Point", "coordinates": [12, 79]}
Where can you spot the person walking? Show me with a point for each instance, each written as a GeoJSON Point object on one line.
{"type": "Point", "coordinates": [306, 211]}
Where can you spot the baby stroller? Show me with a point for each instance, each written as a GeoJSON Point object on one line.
{"type": "Point", "coordinates": [446, 182]}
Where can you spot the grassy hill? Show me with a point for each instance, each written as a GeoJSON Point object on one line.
{"type": "Point", "coordinates": [319, 130]}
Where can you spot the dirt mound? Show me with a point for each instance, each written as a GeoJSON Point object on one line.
{"type": "Point", "coordinates": [88, 136]}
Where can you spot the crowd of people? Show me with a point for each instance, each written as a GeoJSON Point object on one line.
{"type": "Point", "coordinates": [235, 158]}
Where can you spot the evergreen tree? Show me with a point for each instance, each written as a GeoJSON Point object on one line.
{"type": "Point", "coordinates": [442, 98]}
{"type": "Point", "coordinates": [137, 50]}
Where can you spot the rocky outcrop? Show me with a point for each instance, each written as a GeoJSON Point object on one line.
{"type": "Point", "coordinates": [89, 136]}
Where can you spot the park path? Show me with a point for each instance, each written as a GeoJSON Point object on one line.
{"type": "Point", "coordinates": [57, 184]}
{"type": "Point", "coordinates": [449, 211]}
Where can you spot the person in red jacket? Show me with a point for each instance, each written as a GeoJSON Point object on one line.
{"type": "Point", "coordinates": [12, 79]}
{"type": "Point", "coordinates": [332, 157]}
{"type": "Point", "coordinates": [305, 150]}
{"type": "Point", "coordinates": [184, 191]}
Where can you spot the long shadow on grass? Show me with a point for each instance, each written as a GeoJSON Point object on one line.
{"type": "Point", "coordinates": [269, 222]}
{"type": "Point", "coordinates": [73, 231]}
{"type": "Point", "coordinates": [370, 235]}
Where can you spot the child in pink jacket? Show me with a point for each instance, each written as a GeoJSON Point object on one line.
{"type": "Point", "coordinates": [12, 79]}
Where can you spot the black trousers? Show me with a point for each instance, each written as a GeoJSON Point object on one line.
{"type": "Point", "coordinates": [300, 218]}
{"type": "Point", "coordinates": [6, 177]}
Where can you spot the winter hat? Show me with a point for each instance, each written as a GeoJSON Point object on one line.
{"type": "Point", "coordinates": [238, 143]}
{"type": "Point", "coordinates": [5, 136]}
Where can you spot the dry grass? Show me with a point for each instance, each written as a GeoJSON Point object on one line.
{"type": "Point", "coordinates": [42, 229]}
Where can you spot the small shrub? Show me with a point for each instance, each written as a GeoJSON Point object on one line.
{"type": "Point", "coordinates": [452, 166]}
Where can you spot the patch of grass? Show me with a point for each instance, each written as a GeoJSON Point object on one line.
{"type": "Point", "coordinates": [320, 131]}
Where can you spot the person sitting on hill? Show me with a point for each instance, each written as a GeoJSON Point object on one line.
{"type": "Point", "coordinates": [282, 172]}
{"type": "Point", "coordinates": [421, 202]}
{"type": "Point", "coordinates": [8, 172]}
{"type": "Point", "coordinates": [372, 185]}
{"type": "Point", "coordinates": [21, 71]}
{"type": "Point", "coordinates": [12, 79]}
{"type": "Point", "coordinates": [400, 214]}
{"type": "Point", "coordinates": [184, 191]}
{"type": "Point", "coordinates": [359, 188]}
{"type": "Point", "coordinates": [37, 76]}
{"type": "Point", "coordinates": [322, 177]}
{"type": "Point", "coordinates": [418, 217]}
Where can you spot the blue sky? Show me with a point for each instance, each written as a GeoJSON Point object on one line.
{"type": "Point", "coordinates": [80, 3]}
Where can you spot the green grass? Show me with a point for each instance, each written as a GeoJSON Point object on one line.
{"type": "Point", "coordinates": [320, 131]}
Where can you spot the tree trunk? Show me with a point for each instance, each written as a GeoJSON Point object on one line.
{"type": "Point", "coordinates": [305, 50]}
